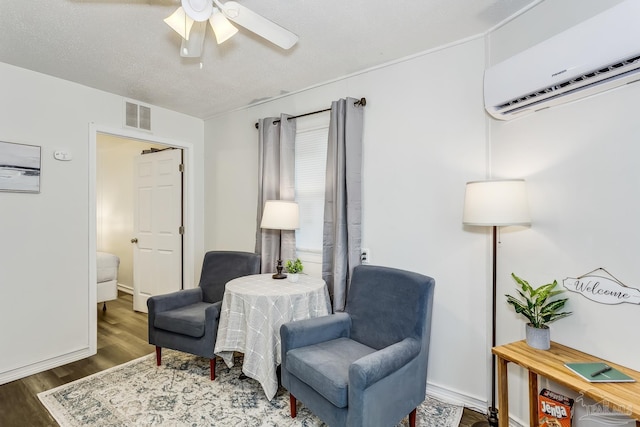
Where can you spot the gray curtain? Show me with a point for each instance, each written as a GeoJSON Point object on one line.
{"type": "Point", "coordinates": [343, 199]}
{"type": "Point", "coordinates": [276, 181]}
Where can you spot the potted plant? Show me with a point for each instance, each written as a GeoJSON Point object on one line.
{"type": "Point", "coordinates": [293, 268]}
{"type": "Point", "coordinates": [536, 305]}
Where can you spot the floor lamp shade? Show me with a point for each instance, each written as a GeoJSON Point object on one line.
{"type": "Point", "coordinates": [280, 215]}
{"type": "Point", "coordinates": [496, 203]}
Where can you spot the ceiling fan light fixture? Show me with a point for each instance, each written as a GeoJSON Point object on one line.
{"type": "Point", "coordinates": [198, 10]}
{"type": "Point", "coordinates": [222, 28]}
{"type": "Point", "coordinates": [193, 47]}
{"type": "Point", "coordinates": [190, 21]}
{"type": "Point", "coordinates": [180, 23]}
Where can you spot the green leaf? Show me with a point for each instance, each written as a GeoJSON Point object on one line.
{"type": "Point", "coordinates": [545, 290]}
{"type": "Point", "coordinates": [555, 316]}
{"type": "Point", "coordinates": [541, 299]}
{"type": "Point", "coordinates": [519, 307]}
{"type": "Point", "coordinates": [554, 293]}
{"type": "Point", "coordinates": [523, 283]}
{"type": "Point", "coordinates": [524, 297]}
{"type": "Point", "coordinates": [554, 306]}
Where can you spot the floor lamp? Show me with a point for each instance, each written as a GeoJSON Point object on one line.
{"type": "Point", "coordinates": [495, 203]}
{"type": "Point", "coordinates": [280, 215]}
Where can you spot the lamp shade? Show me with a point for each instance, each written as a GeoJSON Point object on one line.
{"type": "Point", "coordinates": [280, 215]}
{"type": "Point", "coordinates": [180, 22]}
{"type": "Point", "coordinates": [222, 28]}
{"type": "Point", "coordinates": [496, 202]}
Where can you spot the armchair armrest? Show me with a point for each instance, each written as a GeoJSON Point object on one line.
{"type": "Point", "coordinates": [160, 303]}
{"type": "Point", "coordinates": [306, 332]}
{"type": "Point", "coordinates": [212, 313]}
{"type": "Point", "coordinates": [369, 369]}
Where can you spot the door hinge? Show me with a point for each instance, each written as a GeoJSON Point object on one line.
{"type": "Point", "coordinates": [181, 167]}
{"type": "Point", "coordinates": [181, 229]}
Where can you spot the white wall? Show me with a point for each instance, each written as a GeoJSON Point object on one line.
{"type": "Point", "coordinates": [424, 137]}
{"type": "Point", "coordinates": [44, 256]}
{"type": "Point", "coordinates": [580, 163]}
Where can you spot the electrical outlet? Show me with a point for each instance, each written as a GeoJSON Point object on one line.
{"type": "Point", "coordinates": [365, 256]}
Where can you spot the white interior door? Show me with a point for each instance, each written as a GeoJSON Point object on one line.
{"type": "Point", "coordinates": [157, 253]}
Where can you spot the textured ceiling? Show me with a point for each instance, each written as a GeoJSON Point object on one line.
{"type": "Point", "coordinates": [124, 47]}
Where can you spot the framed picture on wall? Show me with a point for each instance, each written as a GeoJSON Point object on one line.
{"type": "Point", "coordinates": [19, 167]}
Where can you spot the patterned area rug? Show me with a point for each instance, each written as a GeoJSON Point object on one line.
{"type": "Point", "coordinates": [179, 393]}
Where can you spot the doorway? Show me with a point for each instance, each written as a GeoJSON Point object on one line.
{"type": "Point", "coordinates": [115, 201]}
{"type": "Point", "coordinates": [100, 206]}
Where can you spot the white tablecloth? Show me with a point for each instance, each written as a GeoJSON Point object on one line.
{"type": "Point", "coordinates": [253, 309]}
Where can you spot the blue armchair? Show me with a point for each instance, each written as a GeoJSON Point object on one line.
{"type": "Point", "coordinates": [366, 366]}
{"type": "Point", "coordinates": [187, 320]}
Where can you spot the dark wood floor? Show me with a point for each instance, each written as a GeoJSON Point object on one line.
{"type": "Point", "coordinates": [122, 336]}
{"type": "Point", "coordinates": [470, 417]}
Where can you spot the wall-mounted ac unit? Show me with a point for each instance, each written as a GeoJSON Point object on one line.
{"type": "Point", "coordinates": [598, 54]}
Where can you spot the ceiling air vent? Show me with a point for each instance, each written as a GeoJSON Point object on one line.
{"type": "Point", "coordinates": [137, 116]}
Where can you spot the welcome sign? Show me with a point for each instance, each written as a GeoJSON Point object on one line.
{"type": "Point", "coordinates": [601, 289]}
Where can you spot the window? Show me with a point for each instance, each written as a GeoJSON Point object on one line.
{"type": "Point", "coordinates": [310, 163]}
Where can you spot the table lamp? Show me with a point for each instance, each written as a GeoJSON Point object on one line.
{"type": "Point", "coordinates": [280, 215]}
{"type": "Point", "coordinates": [495, 203]}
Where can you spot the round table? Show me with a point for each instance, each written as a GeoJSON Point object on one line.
{"type": "Point", "coordinates": [253, 309]}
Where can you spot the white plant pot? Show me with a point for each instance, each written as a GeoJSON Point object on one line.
{"type": "Point", "coordinates": [539, 338]}
{"type": "Point", "coordinates": [293, 277]}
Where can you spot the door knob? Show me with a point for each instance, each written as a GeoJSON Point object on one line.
{"type": "Point", "coordinates": [134, 240]}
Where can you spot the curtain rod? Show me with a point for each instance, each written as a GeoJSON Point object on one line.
{"type": "Point", "coordinates": [361, 101]}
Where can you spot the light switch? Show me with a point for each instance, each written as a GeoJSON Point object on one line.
{"type": "Point", "coordinates": [62, 155]}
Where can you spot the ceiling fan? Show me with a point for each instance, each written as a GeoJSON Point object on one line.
{"type": "Point", "coordinates": [190, 21]}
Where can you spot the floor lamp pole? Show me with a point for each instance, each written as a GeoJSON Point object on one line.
{"type": "Point", "coordinates": [493, 412]}
{"type": "Point", "coordinates": [492, 416]}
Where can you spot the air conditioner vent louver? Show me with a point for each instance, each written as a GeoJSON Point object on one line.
{"type": "Point", "coordinates": [596, 55]}
{"type": "Point", "coordinates": [590, 78]}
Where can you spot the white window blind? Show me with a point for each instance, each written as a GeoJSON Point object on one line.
{"type": "Point", "coordinates": [310, 164]}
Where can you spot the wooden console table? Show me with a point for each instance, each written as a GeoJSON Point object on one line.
{"type": "Point", "coordinates": [550, 364]}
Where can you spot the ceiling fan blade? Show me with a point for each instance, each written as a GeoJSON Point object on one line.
{"type": "Point", "coordinates": [192, 48]}
{"type": "Point", "coordinates": [258, 24]}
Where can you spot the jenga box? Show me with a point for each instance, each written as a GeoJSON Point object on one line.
{"type": "Point", "coordinates": [554, 410]}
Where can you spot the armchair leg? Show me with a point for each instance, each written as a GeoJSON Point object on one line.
{"type": "Point", "coordinates": [412, 418]}
{"type": "Point", "coordinates": [212, 368]}
{"type": "Point", "coordinates": [292, 405]}
{"type": "Point", "coordinates": [158, 356]}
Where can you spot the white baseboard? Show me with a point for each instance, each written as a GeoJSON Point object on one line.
{"type": "Point", "coordinates": [25, 371]}
{"type": "Point", "coordinates": [447, 395]}
{"type": "Point", "coordinates": [516, 423]}
{"type": "Point", "coordinates": [126, 289]}
{"type": "Point", "coordinates": [457, 398]}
